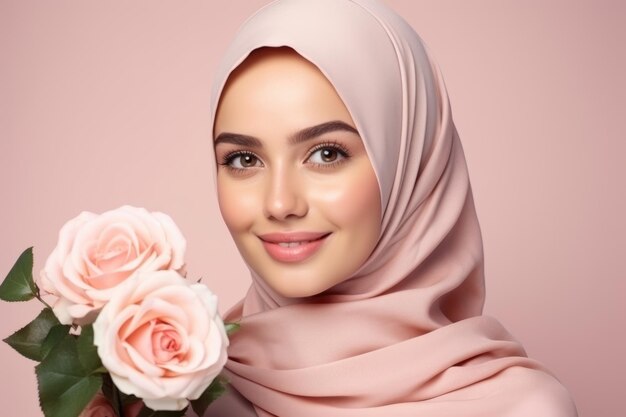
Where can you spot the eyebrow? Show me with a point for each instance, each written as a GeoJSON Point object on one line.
{"type": "Point", "coordinates": [298, 137]}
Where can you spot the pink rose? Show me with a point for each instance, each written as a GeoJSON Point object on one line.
{"type": "Point", "coordinates": [96, 253]}
{"type": "Point", "coordinates": [98, 407]}
{"type": "Point", "coordinates": [161, 339]}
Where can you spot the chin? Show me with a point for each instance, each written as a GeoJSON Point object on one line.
{"type": "Point", "coordinates": [293, 289]}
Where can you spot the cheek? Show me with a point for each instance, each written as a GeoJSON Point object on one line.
{"type": "Point", "coordinates": [353, 203]}
{"type": "Point", "coordinates": [237, 204]}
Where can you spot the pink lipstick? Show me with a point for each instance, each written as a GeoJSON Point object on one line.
{"type": "Point", "coordinates": [292, 247]}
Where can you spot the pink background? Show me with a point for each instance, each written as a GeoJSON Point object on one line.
{"type": "Point", "coordinates": [106, 103]}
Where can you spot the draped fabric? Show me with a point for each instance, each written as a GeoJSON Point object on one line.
{"type": "Point", "coordinates": [405, 335]}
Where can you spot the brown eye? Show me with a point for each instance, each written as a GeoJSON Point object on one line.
{"type": "Point", "coordinates": [247, 161]}
{"type": "Point", "coordinates": [327, 155]}
{"type": "Point", "coordinates": [242, 160]}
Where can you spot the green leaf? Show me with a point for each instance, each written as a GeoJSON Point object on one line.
{"type": "Point", "coordinates": [231, 327]}
{"type": "Point", "coordinates": [148, 412]}
{"type": "Point", "coordinates": [217, 388]}
{"type": "Point", "coordinates": [65, 386]}
{"type": "Point", "coordinates": [56, 334]}
{"type": "Point", "coordinates": [18, 284]}
{"type": "Point", "coordinates": [29, 339]}
{"type": "Point", "coordinates": [87, 351]}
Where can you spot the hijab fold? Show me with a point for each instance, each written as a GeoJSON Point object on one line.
{"type": "Point", "coordinates": [403, 336]}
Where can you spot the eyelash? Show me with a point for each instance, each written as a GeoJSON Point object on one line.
{"type": "Point", "coordinates": [228, 159]}
{"type": "Point", "coordinates": [336, 146]}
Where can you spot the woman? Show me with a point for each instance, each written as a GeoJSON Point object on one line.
{"type": "Point", "coordinates": [342, 180]}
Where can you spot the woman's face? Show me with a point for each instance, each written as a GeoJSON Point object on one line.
{"type": "Point", "coordinates": [295, 185]}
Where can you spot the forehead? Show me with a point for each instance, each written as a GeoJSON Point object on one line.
{"type": "Point", "coordinates": [277, 86]}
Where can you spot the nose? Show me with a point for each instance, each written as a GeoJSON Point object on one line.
{"type": "Point", "coordinates": [285, 195]}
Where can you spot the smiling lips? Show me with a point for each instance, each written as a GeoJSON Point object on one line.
{"type": "Point", "coordinates": [292, 247]}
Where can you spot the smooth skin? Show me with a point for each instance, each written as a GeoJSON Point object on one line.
{"type": "Point", "coordinates": [270, 182]}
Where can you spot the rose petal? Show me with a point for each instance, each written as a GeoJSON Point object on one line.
{"type": "Point", "coordinates": [118, 234]}
{"type": "Point", "coordinates": [98, 407]}
{"type": "Point", "coordinates": [141, 340]}
{"type": "Point", "coordinates": [166, 403]}
{"type": "Point", "coordinates": [176, 240]}
{"type": "Point", "coordinates": [116, 253]}
{"type": "Point", "coordinates": [167, 343]}
{"type": "Point", "coordinates": [142, 364]}
{"type": "Point", "coordinates": [154, 308]}
{"type": "Point", "coordinates": [159, 337]}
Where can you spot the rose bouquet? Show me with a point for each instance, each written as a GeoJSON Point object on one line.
{"type": "Point", "coordinates": [126, 333]}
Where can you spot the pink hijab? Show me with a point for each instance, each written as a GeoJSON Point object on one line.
{"type": "Point", "coordinates": [404, 336]}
